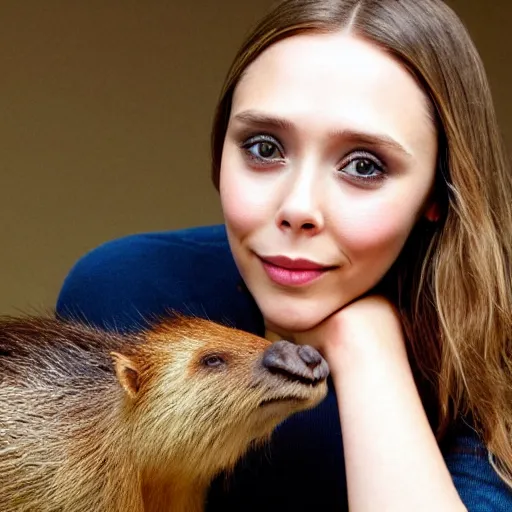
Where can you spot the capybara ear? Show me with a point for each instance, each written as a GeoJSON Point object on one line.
{"type": "Point", "coordinates": [127, 373]}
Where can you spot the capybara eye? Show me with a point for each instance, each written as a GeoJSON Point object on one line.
{"type": "Point", "coordinates": [213, 361]}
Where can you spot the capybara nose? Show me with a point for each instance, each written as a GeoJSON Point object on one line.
{"type": "Point", "coordinates": [296, 362]}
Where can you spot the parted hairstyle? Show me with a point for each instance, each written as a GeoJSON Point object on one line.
{"type": "Point", "coordinates": [452, 282]}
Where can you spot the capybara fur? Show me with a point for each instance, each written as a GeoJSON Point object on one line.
{"type": "Point", "coordinates": [97, 421]}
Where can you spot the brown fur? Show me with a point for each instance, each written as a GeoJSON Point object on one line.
{"type": "Point", "coordinates": [97, 421]}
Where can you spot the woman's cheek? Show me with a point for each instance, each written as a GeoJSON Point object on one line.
{"type": "Point", "coordinates": [375, 231]}
{"type": "Point", "coordinates": [246, 198]}
{"type": "Point", "coordinates": [241, 209]}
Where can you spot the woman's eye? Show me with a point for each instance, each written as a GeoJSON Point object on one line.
{"type": "Point", "coordinates": [363, 167]}
{"type": "Point", "coordinates": [263, 149]}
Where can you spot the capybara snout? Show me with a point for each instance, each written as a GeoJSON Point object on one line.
{"type": "Point", "coordinates": [300, 363]}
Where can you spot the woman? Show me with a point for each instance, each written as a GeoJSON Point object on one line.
{"type": "Point", "coordinates": [367, 209]}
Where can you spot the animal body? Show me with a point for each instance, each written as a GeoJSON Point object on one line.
{"type": "Point", "coordinates": [97, 421]}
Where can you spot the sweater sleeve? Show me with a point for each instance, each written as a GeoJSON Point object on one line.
{"type": "Point", "coordinates": [478, 484]}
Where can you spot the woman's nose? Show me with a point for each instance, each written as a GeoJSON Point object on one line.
{"type": "Point", "coordinates": [300, 209]}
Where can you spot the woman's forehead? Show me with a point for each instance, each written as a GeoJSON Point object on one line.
{"type": "Point", "coordinates": [335, 82]}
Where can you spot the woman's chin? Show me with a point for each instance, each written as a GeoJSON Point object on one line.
{"type": "Point", "coordinates": [286, 322]}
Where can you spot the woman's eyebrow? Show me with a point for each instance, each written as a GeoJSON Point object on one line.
{"type": "Point", "coordinates": [372, 139]}
{"type": "Point", "coordinates": [254, 118]}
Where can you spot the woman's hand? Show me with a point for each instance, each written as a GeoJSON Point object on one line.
{"type": "Point", "coordinates": [369, 324]}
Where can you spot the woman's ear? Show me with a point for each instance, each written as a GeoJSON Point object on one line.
{"type": "Point", "coordinates": [432, 212]}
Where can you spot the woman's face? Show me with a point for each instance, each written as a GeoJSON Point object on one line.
{"type": "Point", "coordinates": [328, 162]}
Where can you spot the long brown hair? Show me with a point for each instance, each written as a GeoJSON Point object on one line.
{"type": "Point", "coordinates": [453, 280]}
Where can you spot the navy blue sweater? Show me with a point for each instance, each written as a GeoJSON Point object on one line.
{"type": "Point", "coordinates": [127, 281]}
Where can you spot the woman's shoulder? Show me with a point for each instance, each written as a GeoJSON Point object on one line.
{"type": "Point", "coordinates": [209, 237]}
{"type": "Point", "coordinates": [125, 282]}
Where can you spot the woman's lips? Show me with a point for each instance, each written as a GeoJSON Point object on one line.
{"type": "Point", "coordinates": [292, 272]}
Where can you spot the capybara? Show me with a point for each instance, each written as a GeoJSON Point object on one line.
{"type": "Point", "coordinates": [97, 421]}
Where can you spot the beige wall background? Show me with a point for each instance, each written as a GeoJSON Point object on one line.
{"type": "Point", "coordinates": [106, 108]}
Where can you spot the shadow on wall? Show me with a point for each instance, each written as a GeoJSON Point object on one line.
{"type": "Point", "coordinates": [106, 111]}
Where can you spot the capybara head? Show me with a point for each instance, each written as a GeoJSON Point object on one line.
{"type": "Point", "coordinates": [200, 394]}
